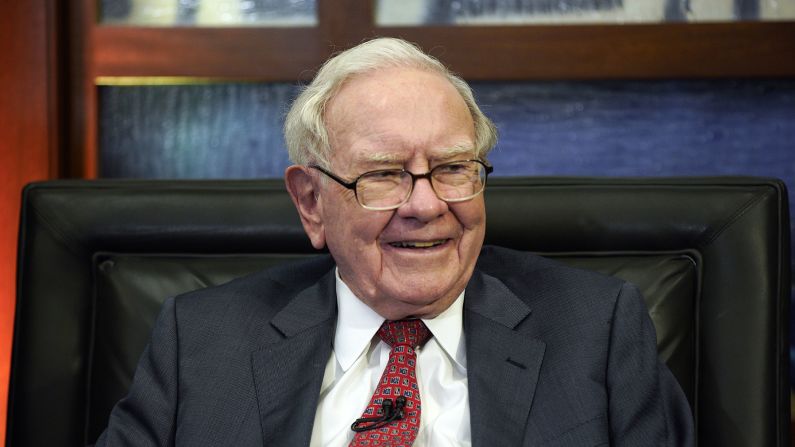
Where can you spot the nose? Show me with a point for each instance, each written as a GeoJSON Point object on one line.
{"type": "Point", "coordinates": [423, 204]}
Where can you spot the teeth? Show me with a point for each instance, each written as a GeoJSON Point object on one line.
{"type": "Point", "coordinates": [417, 244]}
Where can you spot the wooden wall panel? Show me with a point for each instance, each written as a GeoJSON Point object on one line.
{"type": "Point", "coordinates": [28, 138]}
{"type": "Point", "coordinates": [638, 51]}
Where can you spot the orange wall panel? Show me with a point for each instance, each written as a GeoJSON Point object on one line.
{"type": "Point", "coordinates": [27, 142]}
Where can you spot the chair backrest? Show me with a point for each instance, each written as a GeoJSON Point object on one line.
{"type": "Point", "coordinates": [97, 258]}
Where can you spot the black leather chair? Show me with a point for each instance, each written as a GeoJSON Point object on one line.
{"type": "Point", "coordinates": [97, 258]}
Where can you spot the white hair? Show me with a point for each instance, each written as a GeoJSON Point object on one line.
{"type": "Point", "coordinates": [304, 128]}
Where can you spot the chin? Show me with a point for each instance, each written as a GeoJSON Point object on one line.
{"type": "Point", "coordinates": [414, 292]}
{"type": "Point", "coordinates": [421, 305]}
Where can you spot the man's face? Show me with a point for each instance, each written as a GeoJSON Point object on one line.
{"type": "Point", "coordinates": [414, 260]}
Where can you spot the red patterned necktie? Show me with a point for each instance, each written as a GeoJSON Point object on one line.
{"type": "Point", "coordinates": [398, 380]}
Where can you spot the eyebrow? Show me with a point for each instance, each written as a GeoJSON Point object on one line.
{"type": "Point", "coordinates": [382, 157]}
{"type": "Point", "coordinates": [440, 154]}
{"type": "Point", "coordinates": [455, 150]}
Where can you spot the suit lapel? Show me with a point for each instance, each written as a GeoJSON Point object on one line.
{"type": "Point", "coordinates": [502, 363]}
{"type": "Point", "coordinates": [288, 371]}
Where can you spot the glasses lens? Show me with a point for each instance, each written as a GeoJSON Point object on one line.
{"type": "Point", "coordinates": [383, 189]}
{"type": "Point", "coordinates": [458, 181]}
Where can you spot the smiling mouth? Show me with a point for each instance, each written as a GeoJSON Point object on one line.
{"type": "Point", "coordinates": [417, 244]}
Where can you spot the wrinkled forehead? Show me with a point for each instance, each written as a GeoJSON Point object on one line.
{"type": "Point", "coordinates": [392, 115]}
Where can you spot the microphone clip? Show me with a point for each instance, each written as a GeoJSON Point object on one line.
{"type": "Point", "coordinates": [389, 413]}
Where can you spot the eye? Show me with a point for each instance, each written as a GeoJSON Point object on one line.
{"type": "Point", "coordinates": [383, 175]}
{"type": "Point", "coordinates": [454, 168]}
{"type": "Point", "coordinates": [386, 176]}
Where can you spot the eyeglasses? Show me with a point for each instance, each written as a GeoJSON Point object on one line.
{"type": "Point", "coordinates": [387, 189]}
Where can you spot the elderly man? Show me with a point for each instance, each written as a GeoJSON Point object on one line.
{"type": "Point", "coordinates": [409, 333]}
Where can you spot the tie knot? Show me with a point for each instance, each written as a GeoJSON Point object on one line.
{"type": "Point", "coordinates": [404, 332]}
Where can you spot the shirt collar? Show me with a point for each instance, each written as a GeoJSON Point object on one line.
{"type": "Point", "coordinates": [357, 324]}
{"type": "Point", "coordinates": [448, 330]}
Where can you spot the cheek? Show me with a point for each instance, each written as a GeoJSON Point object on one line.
{"type": "Point", "coordinates": [472, 218]}
{"type": "Point", "coordinates": [361, 231]}
{"type": "Point", "coordinates": [471, 215]}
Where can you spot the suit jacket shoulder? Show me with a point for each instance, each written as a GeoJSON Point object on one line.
{"type": "Point", "coordinates": [225, 365]}
{"type": "Point", "coordinates": [522, 270]}
{"type": "Point", "coordinates": [562, 299]}
{"type": "Point", "coordinates": [267, 291]}
{"type": "Point", "coordinates": [572, 352]}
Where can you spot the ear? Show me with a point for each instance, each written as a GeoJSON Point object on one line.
{"type": "Point", "coordinates": [304, 191]}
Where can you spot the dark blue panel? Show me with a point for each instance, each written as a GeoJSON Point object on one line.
{"type": "Point", "coordinates": [568, 128]}
{"type": "Point", "coordinates": [643, 128]}
{"type": "Point", "coordinates": [194, 131]}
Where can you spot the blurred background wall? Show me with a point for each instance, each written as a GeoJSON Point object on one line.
{"type": "Point", "coordinates": [28, 141]}
{"type": "Point", "coordinates": [199, 88]}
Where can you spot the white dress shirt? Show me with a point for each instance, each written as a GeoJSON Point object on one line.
{"type": "Point", "coordinates": [359, 358]}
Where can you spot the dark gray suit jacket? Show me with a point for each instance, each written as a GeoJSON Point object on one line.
{"type": "Point", "coordinates": [555, 357]}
